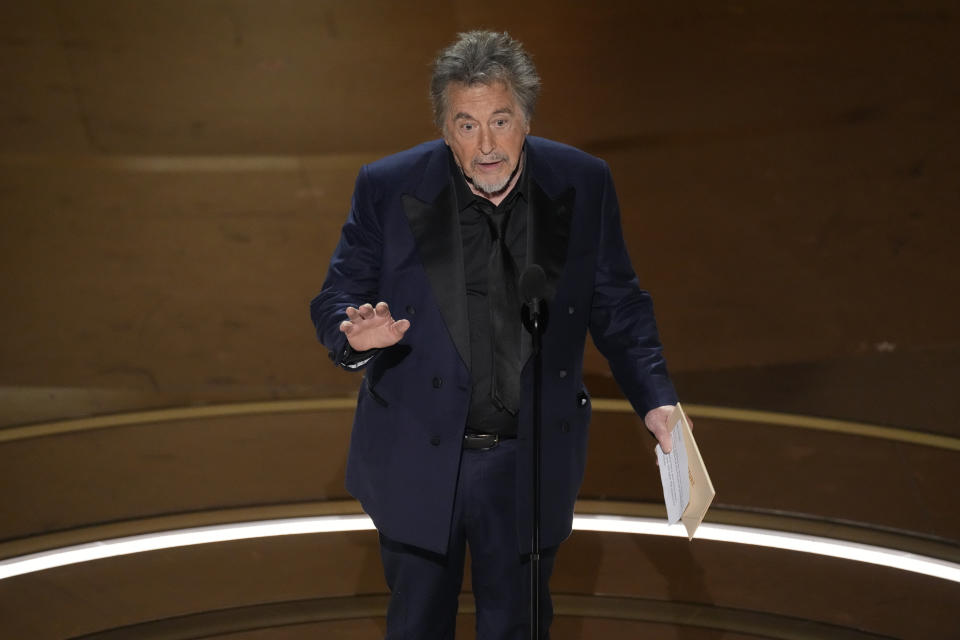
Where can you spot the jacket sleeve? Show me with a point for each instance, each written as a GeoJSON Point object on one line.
{"type": "Point", "coordinates": [622, 323]}
{"type": "Point", "coordinates": [353, 276]}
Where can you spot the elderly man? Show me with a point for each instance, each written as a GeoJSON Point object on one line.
{"type": "Point", "coordinates": [422, 294]}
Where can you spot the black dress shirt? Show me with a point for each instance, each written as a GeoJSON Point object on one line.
{"type": "Point", "coordinates": [478, 232]}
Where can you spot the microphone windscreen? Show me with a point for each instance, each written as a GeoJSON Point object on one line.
{"type": "Point", "coordinates": [533, 283]}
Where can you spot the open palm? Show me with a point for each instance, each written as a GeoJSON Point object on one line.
{"type": "Point", "coordinates": [370, 327]}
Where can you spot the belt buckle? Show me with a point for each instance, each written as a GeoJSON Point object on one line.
{"type": "Point", "coordinates": [476, 438]}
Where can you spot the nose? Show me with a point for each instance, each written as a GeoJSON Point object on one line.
{"type": "Point", "coordinates": [487, 143]}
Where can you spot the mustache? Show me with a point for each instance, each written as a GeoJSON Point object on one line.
{"type": "Point", "coordinates": [493, 157]}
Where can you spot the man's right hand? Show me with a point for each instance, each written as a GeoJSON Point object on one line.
{"type": "Point", "coordinates": [372, 327]}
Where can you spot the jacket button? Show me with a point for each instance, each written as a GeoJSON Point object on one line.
{"type": "Point", "coordinates": [411, 310]}
{"type": "Point", "coordinates": [582, 399]}
{"type": "Point", "coordinates": [437, 382]}
{"type": "Point", "coordinates": [570, 310]}
{"type": "Point", "coordinates": [565, 426]}
{"type": "Point", "coordinates": [563, 373]}
{"type": "Point", "coordinates": [435, 441]}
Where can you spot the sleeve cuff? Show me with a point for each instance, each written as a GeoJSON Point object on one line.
{"type": "Point", "coordinates": [350, 359]}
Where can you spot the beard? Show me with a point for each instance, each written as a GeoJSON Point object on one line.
{"type": "Point", "coordinates": [491, 186]}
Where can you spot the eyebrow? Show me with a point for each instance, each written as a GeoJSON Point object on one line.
{"type": "Point", "coordinates": [463, 115]}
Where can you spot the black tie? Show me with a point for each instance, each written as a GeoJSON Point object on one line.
{"type": "Point", "coordinates": [504, 318]}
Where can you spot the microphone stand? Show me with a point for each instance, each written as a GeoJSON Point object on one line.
{"type": "Point", "coordinates": [533, 284]}
{"type": "Point", "coordinates": [537, 461]}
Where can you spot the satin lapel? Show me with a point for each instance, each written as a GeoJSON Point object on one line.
{"type": "Point", "coordinates": [548, 236]}
{"type": "Point", "coordinates": [436, 228]}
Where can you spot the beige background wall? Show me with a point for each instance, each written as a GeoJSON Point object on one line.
{"type": "Point", "coordinates": [173, 175]}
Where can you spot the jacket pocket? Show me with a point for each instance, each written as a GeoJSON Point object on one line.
{"type": "Point", "coordinates": [373, 394]}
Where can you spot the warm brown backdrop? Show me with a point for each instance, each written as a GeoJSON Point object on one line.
{"type": "Point", "coordinates": [173, 175]}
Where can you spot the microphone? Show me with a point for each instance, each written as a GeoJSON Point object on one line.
{"type": "Point", "coordinates": [533, 289]}
{"type": "Point", "coordinates": [533, 285]}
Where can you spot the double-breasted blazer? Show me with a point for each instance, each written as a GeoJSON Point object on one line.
{"type": "Point", "coordinates": [401, 244]}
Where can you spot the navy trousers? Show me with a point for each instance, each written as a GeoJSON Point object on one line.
{"type": "Point", "coordinates": [424, 586]}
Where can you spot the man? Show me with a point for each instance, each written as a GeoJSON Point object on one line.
{"type": "Point", "coordinates": [422, 294]}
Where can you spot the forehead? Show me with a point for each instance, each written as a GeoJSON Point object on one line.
{"type": "Point", "coordinates": [479, 100]}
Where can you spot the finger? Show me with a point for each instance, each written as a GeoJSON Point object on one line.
{"type": "Point", "coordinates": [401, 326]}
{"type": "Point", "coordinates": [346, 327]}
{"type": "Point", "coordinates": [666, 442]}
{"type": "Point", "coordinates": [353, 314]}
{"type": "Point", "coordinates": [366, 311]}
{"type": "Point", "coordinates": [382, 309]}
{"type": "Point", "coordinates": [664, 439]}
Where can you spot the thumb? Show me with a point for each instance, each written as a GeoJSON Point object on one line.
{"type": "Point", "coordinates": [665, 440]}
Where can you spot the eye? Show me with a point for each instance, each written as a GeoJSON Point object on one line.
{"type": "Point", "coordinates": [500, 122]}
{"type": "Point", "coordinates": [467, 127]}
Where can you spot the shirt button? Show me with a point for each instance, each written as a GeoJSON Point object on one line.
{"type": "Point", "coordinates": [563, 373]}
{"type": "Point", "coordinates": [437, 382]}
{"type": "Point", "coordinates": [565, 426]}
{"type": "Point", "coordinates": [435, 441]}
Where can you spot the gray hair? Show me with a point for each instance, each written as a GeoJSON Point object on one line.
{"type": "Point", "coordinates": [484, 57]}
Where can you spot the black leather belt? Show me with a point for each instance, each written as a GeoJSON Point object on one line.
{"type": "Point", "coordinates": [483, 441]}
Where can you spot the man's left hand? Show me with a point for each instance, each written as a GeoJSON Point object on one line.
{"type": "Point", "coordinates": [656, 421]}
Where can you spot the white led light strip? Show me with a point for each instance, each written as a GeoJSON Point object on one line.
{"type": "Point", "coordinates": [605, 523]}
{"type": "Point", "coordinates": [787, 541]}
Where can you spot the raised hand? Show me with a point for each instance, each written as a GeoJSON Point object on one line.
{"type": "Point", "coordinates": [370, 327]}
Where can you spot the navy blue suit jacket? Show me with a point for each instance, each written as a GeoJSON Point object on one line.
{"type": "Point", "coordinates": [401, 244]}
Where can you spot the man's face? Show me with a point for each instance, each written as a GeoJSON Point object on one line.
{"type": "Point", "coordinates": [485, 128]}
